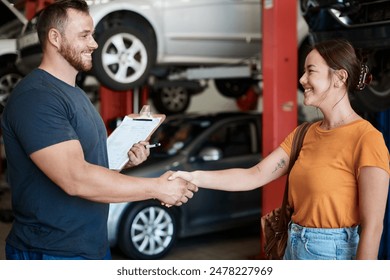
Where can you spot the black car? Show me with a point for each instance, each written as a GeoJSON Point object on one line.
{"type": "Point", "coordinates": [366, 24]}
{"type": "Point", "coordinates": [148, 230]}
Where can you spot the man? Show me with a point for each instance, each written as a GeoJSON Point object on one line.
{"type": "Point", "coordinates": [55, 144]}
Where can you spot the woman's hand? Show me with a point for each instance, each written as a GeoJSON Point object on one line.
{"type": "Point", "coordinates": [185, 175]}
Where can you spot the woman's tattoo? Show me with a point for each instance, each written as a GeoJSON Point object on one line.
{"type": "Point", "coordinates": [280, 165]}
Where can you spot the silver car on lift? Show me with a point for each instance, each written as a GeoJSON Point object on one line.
{"type": "Point", "coordinates": [154, 41]}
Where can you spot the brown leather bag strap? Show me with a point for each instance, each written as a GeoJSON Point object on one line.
{"type": "Point", "coordinates": [297, 143]}
{"type": "Point", "coordinates": [295, 149]}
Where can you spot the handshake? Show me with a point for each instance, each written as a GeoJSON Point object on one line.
{"type": "Point", "coordinates": [175, 188]}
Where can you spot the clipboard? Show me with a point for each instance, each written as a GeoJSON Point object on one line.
{"type": "Point", "coordinates": [133, 128]}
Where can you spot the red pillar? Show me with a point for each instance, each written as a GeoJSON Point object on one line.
{"type": "Point", "coordinates": [117, 104]}
{"type": "Point", "coordinates": [279, 64]}
{"type": "Point", "coordinates": [34, 6]}
{"type": "Point", "coordinates": [114, 104]}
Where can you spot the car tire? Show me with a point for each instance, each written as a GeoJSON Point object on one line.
{"type": "Point", "coordinates": [147, 231]}
{"type": "Point", "coordinates": [171, 100]}
{"type": "Point", "coordinates": [9, 77]}
{"type": "Point", "coordinates": [125, 56]}
{"type": "Point", "coordinates": [233, 88]}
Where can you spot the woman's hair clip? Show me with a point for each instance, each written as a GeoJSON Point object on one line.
{"type": "Point", "coordinates": [365, 77]}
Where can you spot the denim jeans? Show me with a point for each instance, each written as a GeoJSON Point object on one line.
{"type": "Point", "coordinates": [321, 243]}
{"type": "Point", "coordinates": [11, 253]}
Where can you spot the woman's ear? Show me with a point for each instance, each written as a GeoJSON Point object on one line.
{"type": "Point", "coordinates": [343, 75]}
{"type": "Point", "coordinates": [340, 78]}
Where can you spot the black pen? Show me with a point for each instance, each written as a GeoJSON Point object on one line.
{"type": "Point", "coordinates": [153, 145]}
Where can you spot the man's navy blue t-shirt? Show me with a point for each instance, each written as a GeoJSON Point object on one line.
{"type": "Point", "coordinates": [43, 111]}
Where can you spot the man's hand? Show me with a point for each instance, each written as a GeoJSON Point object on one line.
{"type": "Point", "coordinates": [138, 153]}
{"type": "Point", "coordinates": [175, 192]}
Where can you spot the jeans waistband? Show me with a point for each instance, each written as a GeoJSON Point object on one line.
{"type": "Point", "coordinates": [346, 233]}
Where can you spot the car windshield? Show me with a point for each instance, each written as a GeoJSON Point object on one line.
{"type": "Point", "coordinates": [174, 135]}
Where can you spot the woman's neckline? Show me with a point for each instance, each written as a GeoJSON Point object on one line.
{"type": "Point", "coordinates": [337, 127]}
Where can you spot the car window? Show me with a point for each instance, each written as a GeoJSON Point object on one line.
{"type": "Point", "coordinates": [235, 139]}
{"type": "Point", "coordinates": [175, 135]}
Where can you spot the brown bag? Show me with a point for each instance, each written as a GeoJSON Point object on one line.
{"type": "Point", "coordinates": [274, 224]}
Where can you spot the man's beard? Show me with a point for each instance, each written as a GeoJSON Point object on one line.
{"type": "Point", "coordinates": [74, 58]}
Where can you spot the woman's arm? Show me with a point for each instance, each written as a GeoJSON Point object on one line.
{"type": "Point", "coordinates": [373, 189]}
{"type": "Point", "coordinates": [240, 179]}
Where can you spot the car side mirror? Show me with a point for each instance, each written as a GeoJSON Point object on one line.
{"type": "Point", "coordinates": [210, 154]}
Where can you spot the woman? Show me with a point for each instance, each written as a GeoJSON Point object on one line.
{"type": "Point", "coordinates": [341, 178]}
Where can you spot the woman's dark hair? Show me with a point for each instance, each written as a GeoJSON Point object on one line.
{"type": "Point", "coordinates": [340, 54]}
{"type": "Point", "coordinates": [55, 16]}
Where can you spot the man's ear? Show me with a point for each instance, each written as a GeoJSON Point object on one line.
{"type": "Point", "coordinates": [54, 37]}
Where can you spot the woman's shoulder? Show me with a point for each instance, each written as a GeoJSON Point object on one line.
{"type": "Point", "coordinates": [367, 135]}
{"type": "Point", "coordinates": [363, 126]}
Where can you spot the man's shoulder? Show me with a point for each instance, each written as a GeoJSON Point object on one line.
{"type": "Point", "coordinates": [33, 81]}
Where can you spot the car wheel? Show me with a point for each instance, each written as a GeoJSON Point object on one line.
{"type": "Point", "coordinates": [125, 56]}
{"type": "Point", "coordinates": [9, 77]}
{"type": "Point", "coordinates": [171, 100]}
{"type": "Point", "coordinates": [147, 231]}
{"type": "Point", "coordinates": [233, 88]}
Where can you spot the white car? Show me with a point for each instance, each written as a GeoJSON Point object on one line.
{"type": "Point", "coordinates": [151, 41]}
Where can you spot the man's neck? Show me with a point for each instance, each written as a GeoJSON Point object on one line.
{"type": "Point", "coordinates": [66, 73]}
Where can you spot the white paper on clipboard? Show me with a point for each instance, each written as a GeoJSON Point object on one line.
{"type": "Point", "coordinates": [129, 132]}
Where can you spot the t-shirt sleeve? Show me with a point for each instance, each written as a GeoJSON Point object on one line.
{"type": "Point", "coordinates": [287, 142]}
{"type": "Point", "coordinates": [39, 124]}
{"type": "Point", "coordinates": [372, 151]}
